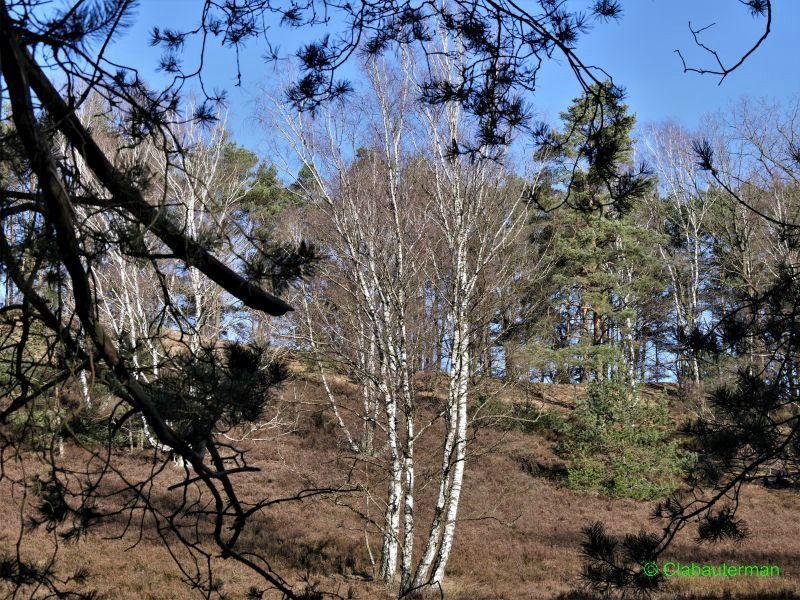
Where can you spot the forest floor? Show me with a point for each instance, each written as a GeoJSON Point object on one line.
{"type": "Point", "coordinates": [518, 537]}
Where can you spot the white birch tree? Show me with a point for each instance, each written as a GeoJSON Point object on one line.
{"type": "Point", "coordinates": [402, 218]}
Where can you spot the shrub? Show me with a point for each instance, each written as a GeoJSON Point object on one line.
{"type": "Point", "coordinates": [215, 389]}
{"type": "Point", "coordinates": [622, 445]}
{"type": "Point", "coordinates": [35, 427]}
{"type": "Point", "coordinates": [41, 428]}
{"type": "Point", "coordinates": [90, 426]}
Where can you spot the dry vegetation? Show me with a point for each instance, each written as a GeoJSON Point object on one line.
{"type": "Point", "coordinates": [519, 534]}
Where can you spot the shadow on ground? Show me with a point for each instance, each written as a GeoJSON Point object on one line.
{"type": "Point", "coordinates": [779, 595]}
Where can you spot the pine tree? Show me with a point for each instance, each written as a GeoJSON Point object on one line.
{"type": "Point", "coordinates": [601, 291]}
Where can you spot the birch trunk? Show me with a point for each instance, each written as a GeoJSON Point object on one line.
{"type": "Point", "coordinates": [459, 378]}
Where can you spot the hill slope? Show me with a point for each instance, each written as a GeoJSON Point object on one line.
{"type": "Point", "coordinates": [518, 538]}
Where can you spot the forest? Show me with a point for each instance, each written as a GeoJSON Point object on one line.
{"type": "Point", "coordinates": [423, 344]}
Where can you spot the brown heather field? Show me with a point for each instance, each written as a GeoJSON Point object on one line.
{"type": "Point", "coordinates": [519, 536]}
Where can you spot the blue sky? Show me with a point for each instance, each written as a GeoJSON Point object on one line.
{"type": "Point", "coordinates": [638, 51]}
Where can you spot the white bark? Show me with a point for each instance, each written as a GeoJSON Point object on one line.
{"type": "Point", "coordinates": [689, 208]}
{"type": "Point", "coordinates": [393, 244]}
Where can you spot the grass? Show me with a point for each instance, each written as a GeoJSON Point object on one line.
{"type": "Point", "coordinates": [519, 537]}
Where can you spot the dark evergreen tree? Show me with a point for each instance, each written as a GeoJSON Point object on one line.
{"type": "Point", "coordinates": [606, 275]}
